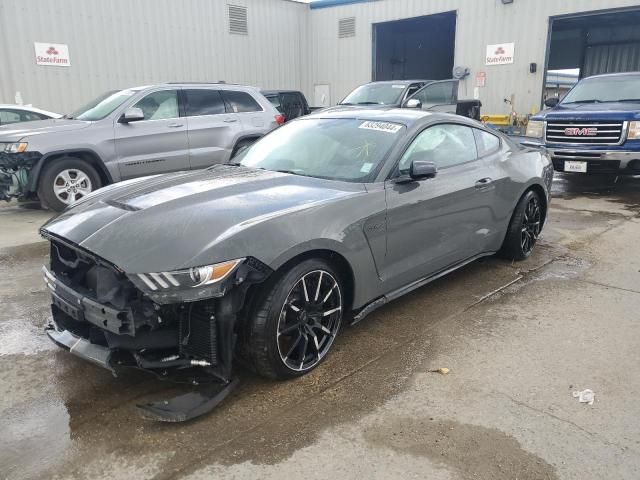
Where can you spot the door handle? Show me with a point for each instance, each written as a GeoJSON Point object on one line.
{"type": "Point", "coordinates": [175, 125]}
{"type": "Point", "coordinates": [483, 182]}
{"type": "Point", "coordinates": [230, 120]}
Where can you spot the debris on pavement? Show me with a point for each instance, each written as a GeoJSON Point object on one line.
{"type": "Point", "coordinates": [442, 371]}
{"type": "Point", "coordinates": [585, 396]}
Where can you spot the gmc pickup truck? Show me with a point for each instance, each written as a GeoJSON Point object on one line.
{"type": "Point", "coordinates": [595, 128]}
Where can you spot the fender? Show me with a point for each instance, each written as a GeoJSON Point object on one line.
{"type": "Point", "coordinates": [34, 174]}
{"type": "Point", "coordinates": [359, 262]}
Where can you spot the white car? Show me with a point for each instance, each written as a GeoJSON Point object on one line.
{"type": "Point", "coordinates": [23, 113]}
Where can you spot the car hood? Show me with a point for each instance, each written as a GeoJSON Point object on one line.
{"type": "Point", "coordinates": [614, 111]}
{"type": "Point", "coordinates": [168, 222]}
{"type": "Point", "coordinates": [17, 131]}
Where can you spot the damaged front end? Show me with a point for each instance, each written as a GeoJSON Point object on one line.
{"type": "Point", "coordinates": [15, 169]}
{"type": "Point", "coordinates": [157, 322]}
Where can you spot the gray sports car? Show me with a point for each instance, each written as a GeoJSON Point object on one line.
{"type": "Point", "coordinates": [319, 223]}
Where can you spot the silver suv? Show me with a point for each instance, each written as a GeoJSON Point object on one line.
{"type": "Point", "coordinates": [130, 133]}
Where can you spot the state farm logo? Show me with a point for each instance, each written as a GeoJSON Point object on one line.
{"type": "Point", "coordinates": [500, 51]}
{"type": "Point", "coordinates": [52, 51]}
{"type": "Point", "coordinates": [580, 132]}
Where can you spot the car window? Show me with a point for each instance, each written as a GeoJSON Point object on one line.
{"type": "Point", "coordinates": [204, 102]}
{"type": "Point", "coordinates": [334, 148]}
{"type": "Point", "coordinates": [440, 93]}
{"type": "Point", "coordinates": [9, 116]}
{"type": "Point", "coordinates": [159, 105]}
{"type": "Point", "coordinates": [413, 88]}
{"type": "Point", "coordinates": [102, 106]}
{"type": "Point", "coordinates": [238, 102]}
{"type": "Point", "coordinates": [32, 116]}
{"type": "Point", "coordinates": [275, 101]}
{"type": "Point", "coordinates": [445, 145]}
{"type": "Point", "coordinates": [486, 142]}
{"type": "Point", "coordinates": [292, 105]}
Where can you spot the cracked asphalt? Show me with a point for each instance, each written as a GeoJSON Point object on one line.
{"type": "Point", "coordinates": [518, 339]}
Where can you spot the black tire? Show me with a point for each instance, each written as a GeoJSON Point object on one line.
{"type": "Point", "coordinates": [273, 324]}
{"type": "Point", "coordinates": [241, 145]}
{"type": "Point", "coordinates": [50, 175]}
{"type": "Point", "coordinates": [524, 228]}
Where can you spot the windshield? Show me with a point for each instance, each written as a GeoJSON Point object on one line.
{"type": "Point", "coordinates": [375, 93]}
{"type": "Point", "coordinates": [337, 149]}
{"type": "Point", "coordinates": [102, 106]}
{"type": "Point", "coordinates": [625, 88]}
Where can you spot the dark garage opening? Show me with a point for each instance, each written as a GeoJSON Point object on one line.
{"type": "Point", "coordinates": [589, 44]}
{"type": "Point", "coordinates": [415, 48]}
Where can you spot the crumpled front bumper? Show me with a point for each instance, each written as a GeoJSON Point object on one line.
{"type": "Point", "coordinates": [81, 347]}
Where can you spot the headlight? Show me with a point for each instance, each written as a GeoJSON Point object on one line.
{"type": "Point", "coordinates": [634, 131]}
{"type": "Point", "coordinates": [190, 278]}
{"type": "Point", "coordinates": [535, 129]}
{"type": "Point", "coordinates": [13, 147]}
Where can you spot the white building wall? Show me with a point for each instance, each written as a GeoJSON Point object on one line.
{"type": "Point", "coordinates": [121, 43]}
{"type": "Point", "coordinates": [346, 63]}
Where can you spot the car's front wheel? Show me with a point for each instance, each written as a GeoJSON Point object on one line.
{"type": "Point", "coordinates": [66, 180]}
{"type": "Point", "coordinates": [295, 321]}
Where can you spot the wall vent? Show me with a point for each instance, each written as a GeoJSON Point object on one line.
{"type": "Point", "coordinates": [238, 20]}
{"type": "Point", "coordinates": [347, 27]}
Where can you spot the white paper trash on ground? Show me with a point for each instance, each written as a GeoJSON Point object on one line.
{"type": "Point", "coordinates": [585, 396]}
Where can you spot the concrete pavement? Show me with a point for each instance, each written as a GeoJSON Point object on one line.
{"type": "Point", "coordinates": [518, 340]}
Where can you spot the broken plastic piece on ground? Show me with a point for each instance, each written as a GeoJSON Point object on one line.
{"type": "Point", "coordinates": [443, 370]}
{"type": "Point", "coordinates": [188, 406]}
{"type": "Point", "coordinates": [585, 396]}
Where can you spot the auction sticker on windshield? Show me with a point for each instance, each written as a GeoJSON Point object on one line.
{"type": "Point", "coordinates": [381, 126]}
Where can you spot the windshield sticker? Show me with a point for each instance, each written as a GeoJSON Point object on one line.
{"type": "Point", "coordinates": [366, 168]}
{"type": "Point", "coordinates": [397, 86]}
{"type": "Point", "coordinates": [381, 126]}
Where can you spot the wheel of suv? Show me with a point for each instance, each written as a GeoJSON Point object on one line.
{"type": "Point", "coordinates": [294, 324]}
{"type": "Point", "coordinates": [524, 228]}
{"type": "Point", "coordinates": [65, 181]}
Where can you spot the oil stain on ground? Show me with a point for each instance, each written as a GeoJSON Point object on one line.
{"type": "Point", "coordinates": [471, 451]}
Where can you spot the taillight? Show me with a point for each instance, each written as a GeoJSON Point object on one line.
{"type": "Point", "coordinates": [279, 119]}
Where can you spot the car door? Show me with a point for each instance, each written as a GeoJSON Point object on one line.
{"type": "Point", "coordinates": [156, 144]}
{"type": "Point", "coordinates": [493, 152]}
{"type": "Point", "coordinates": [431, 224]}
{"type": "Point", "coordinates": [212, 130]}
{"type": "Point", "coordinates": [441, 96]}
{"type": "Point", "coordinates": [246, 109]}
{"type": "Point", "coordinates": [292, 105]}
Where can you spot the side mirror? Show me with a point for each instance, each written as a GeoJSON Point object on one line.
{"type": "Point", "coordinates": [413, 103]}
{"type": "Point", "coordinates": [421, 169]}
{"type": "Point", "coordinates": [552, 102]}
{"type": "Point", "coordinates": [132, 114]}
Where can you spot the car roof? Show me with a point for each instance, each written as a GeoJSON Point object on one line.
{"type": "Point", "coordinates": [275, 92]}
{"type": "Point", "coordinates": [619, 74]}
{"type": "Point", "coordinates": [28, 108]}
{"type": "Point", "coordinates": [400, 82]}
{"type": "Point", "coordinates": [404, 116]}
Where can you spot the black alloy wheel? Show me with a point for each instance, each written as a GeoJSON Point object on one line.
{"type": "Point", "coordinates": [309, 320]}
{"type": "Point", "coordinates": [530, 224]}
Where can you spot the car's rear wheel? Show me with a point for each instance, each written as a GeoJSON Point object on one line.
{"type": "Point", "coordinates": [65, 181]}
{"type": "Point", "coordinates": [295, 322]}
{"type": "Point", "coordinates": [525, 227]}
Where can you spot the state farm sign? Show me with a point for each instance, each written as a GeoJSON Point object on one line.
{"type": "Point", "coordinates": [52, 54]}
{"type": "Point", "coordinates": [500, 54]}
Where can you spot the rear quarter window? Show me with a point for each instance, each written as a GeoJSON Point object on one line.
{"type": "Point", "coordinates": [487, 143]}
{"type": "Point", "coordinates": [239, 102]}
